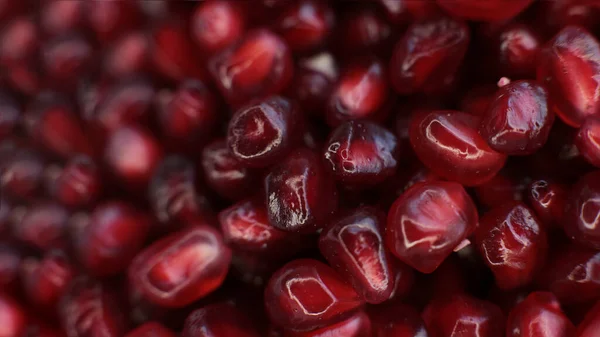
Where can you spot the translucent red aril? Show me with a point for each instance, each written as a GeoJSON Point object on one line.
{"type": "Point", "coordinates": [59, 17]}
{"type": "Point", "coordinates": [245, 225]}
{"type": "Point", "coordinates": [518, 121]}
{"type": "Point", "coordinates": [78, 183]}
{"type": "Point", "coordinates": [110, 19]}
{"type": "Point", "coordinates": [358, 325]}
{"type": "Point", "coordinates": [65, 59]}
{"type": "Point", "coordinates": [397, 320]}
{"type": "Point", "coordinates": [182, 267]}
{"type": "Point", "coordinates": [258, 65]}
{"type": "Point", "coordinates": [173, 54]}
{"type": "Point", "coordinates": [354, 246]}
{"type": "Point", "coordinates": [305, 25]}
{"type": "Point", "coordinates": [472, 317]}
{"type": "Point", "coordinates": [151, 329]}
{"type": "Point", "coordinates": [46, 280]}
{"type": "Point", "coordinates": [569, 66]}
{"type": "Point", "coordinates": [225, 174]}
{"type": "Point", "coordinates": [90, 309]}
{"type": "Point", "coordinates": [588, 140]}
{"type": "Point", "coordinates": [21, 174]}
{"type": "Point", "coordinates": [132, 153]}
{"type": "Point", "coordinates": [217, 24]}
{"type": "Point", "coordinates": [127, 55]}
{"type": "Point", "coordinates": [115, 233]}
{"type": "Point", "coordinates": [426, 58]}
{"type": "Point", "coordinates": [190, 116]}
{"type": "Point", "coordinates": [361, 92]}
{"type": "Point", "coordinates": [516, 50]}
{"type": "Point", "coordinates": [10, 115]}
{"type": "Point", "coordinates": [10, 262]}
{"type": "Point", "coordinates": [494, 10]}
{"type": "Point", "coordinates": [362, 30]}
{"type": "Point", "coordinates": [361, 154]}
{"type": "Point", "coordinates": [19, 44]}
{"type": "Point", "coordinates": [300, 194]}
{"type": "Point", "coordinates": [572, 275]}
{"type": "Point", "coordinates": [43, 226]}
{"type": "Point", "coordinates": [307, 294]}
{"type": "Point", "coordinates": [582, 212]}
{"type": "Point", "coordinates": [13, 317]}
{"type": "Point", "coordinates": [590, 325]}
{"type": "Point", "coordinates": [172, 192]}
{"type": "Point", "coordinates": [448, 143]}
{"type": "Point", "coordinates": [512, 243]}
{"type": "Point", "coordinates": [219, 320]}
{"type": "Point", "coordinates": [428, 221]}
{"type": "Point", "coordinates": [539, 315]}
{"type": "Point", "coordinates": [263, 132]}
{"type": "Point", "coordinates": [547, 198]}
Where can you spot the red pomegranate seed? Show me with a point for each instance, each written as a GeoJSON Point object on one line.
{"type": "Point", "coordinates": [361, 154]}
{"type": "Point", "coordinates": [109, 19]}
{"type": "Point", "coordinates": [582, 211]}
{"type": "Point", "coordinates": [300, 194]}
{"type": "Point", "coordinates": [78, 183]}
{"type": "Point", "coordinates": [216, 24]}
{"type": "Point", "coordinates": [91, 309]}
{"type": "Point", "coordinates": [518, 121]}
{"type": "Point", "coordinates": [305, 25]}
{"type": "Point", "coordinates": [588, 140]}
{"type": "Point", "coordinates": [547, 198]}
{"type": "Point", "coordinates": [397, 320]}
{"type": "Point", "coordinates": [114, 234]}
{"type": "Point", "coordinates": [19, 41]}
{"type": "Point", "coordinates": [362, 30]}
{"type": "Point", "coordinates": [10, 262]}
{"type": "Point", "coordinates": [426, 58]}
{"type": "Point", "coordinates": [448, 143]}
{"type": "Point", "coordinates": [428, 221]}
{"type": "Point", "coordinates": [60, 17]}
{"type": "Point", "coordinates": [354, 246]}
{"type": "Point", "coordinates": [493, 10]}
{"type": "Point", "coordinates": [181, 268]}
{"type": "Point", "coordinates": [473, 317]}
{"type": "Point", "coordinates": [65, 59]}
{"type": "Point", "coordinates": [512, 243]}
{"type": "Point", "coordinates": [219, 320]}
{"type": "Point", "coordinates": [151, 329]}
{"type": "Point", "coordinates": [21, 174]}
{"type": "Point", "coordinates": [43, 227]}
{"type": "Point", "coordinates": [225, 174]}
{"type": "Point", "coordinates": [539, 315]}
{"type": "Point", "coordinates": [516, 49]}
{"type": "Point", "coordinates": [591, 324]}
{"type": "Point", "coordinates": [263, 132]}
{"type": "Point", "coordinates": [306, 294]}
{"type": "Point", "coordinates": [46, 280]}
{"type": "Point", "coordinates": [569, 66]}
{"type": "Point", "coordinates": [128, 55]}
{"type": "Point", "coordinates": [14, 318]}
{"type": "Point", "coordinates": [359, 325]}
{"type": "Point", "coordinates": [257, 66]}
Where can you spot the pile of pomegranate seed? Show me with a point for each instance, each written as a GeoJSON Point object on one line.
{"type": "Point", "coordinates": [300, 168]}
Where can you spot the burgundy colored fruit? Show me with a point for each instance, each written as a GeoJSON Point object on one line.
{"type": "Point", "coordinates": [306, 294]}
{"type": "Point", "coordinates": [539, 315]}
{"type": "Point", "coordinates": [354, 246]}
{"type": "Point", "coordinates": [582, 211]}
{"type": "Point", "coordinates": [263, 132]}
{"type": "Point", "coordinates": [46, 280]}
{"type": "Point", "coordinates": [426, 58]}
{"type": "Point", "coordinates": [217, 24]}
{"type": "Point", "coordinates": [219, 320]}
{"type": "Point", "coordinates": [43, 226]}
{"type": "Point", "coordinates": [493, 10]}
{"type": "Point", "coordinates": [361, 154]}
{"type": "Point", "coordinates": [21, 174]}
{"type": "Point", "coordinates": [448, 143]}
{"type": "Point", "coordinates": [590, 325]}
{"type": "Point", "coordinates": [300, 194]}
{"type": "Point", "coordinates": [13, 317]}
{"type": "Point", "coordinates": [305, 25]}
{"type": "Point", "coordinates": [59, 17]}
{"type": "Point", "coordinates": [569, 67]}
{"type": "Point", "coordinates": [429, 221]}
{"type": "Point", "coordinates": [518, 121]}
{"type": "Point", "coordinates": [128, 55]}
{"type": "Point", "coordinates": [588, 140]}
{"type": "Point", "coordinates": [114, 234]}
{"type": "Point", "coordinates": [181, 268]}
{"type": "Point", "coordinates": [151, 329]}
{"type": "Point", "coordinates": [547, 198]}
{"type": "Point", "coordinates": [258, 65]}
{"type": "Point", "coordinates": [66, 58]}
{"type": "Point", "coordinates": [516, 51]}
{"type": "Point", "coordinates": [78, 183]}
{"type": "Point", "coordinates": [512, 243]}
{"type": "Point", "coordinates": [358, 325]}
{"type": "Point", "coordinates": [110, 19]}
{"type": "Point", "coordinates": [362, 30]}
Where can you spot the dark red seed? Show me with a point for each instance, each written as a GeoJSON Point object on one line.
{"type": "Point", "coordinates": [539, 315]}
{"type": "Point", "coordinates": [582, 211]}
{"type": "Point", "coordinates": [43, 227]}
{"type": "Point", "coordinates": [588, 140]}
{"type": "Point", "coordinates": [305, 25]}
{"type": "Point", "coordinates": [217, 24]}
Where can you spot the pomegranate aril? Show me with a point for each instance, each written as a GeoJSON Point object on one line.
{"type": "Point", "coordinates": [305, 25]}
{"type": "Point", "coordinates": [473, 317]}
{"type": "Point", "coordinates": [449, 144]}
{"type": "Point", "coordinates": [217, 24]}
{"type": "Point", "coordinates": [59, 17]}
{"type": "Point", "coordinates": [427, 57]}
{"type": "Point", "coordinates": [547, 198]}
{"type": "Point", "coordinates": [354, 246]}
{"type": "Point", "coordinates": [588, 140]}
{"type": "Point", "coordinates": [359, 325]}
{"type": "Point", "coordinates": [518, 121]}
{"type": "Point", "coordinates": [516, 49]}
{"type": "Point", "coordinates": [219, 320]}
{"type": "Point", "coordinates": [361, 154]}
{"type": "Point", "coordinates": [300, 194]}
{"type": "Point", "coordinates": [65, 59]}
{"type": "Point", "coordinates": [46, 280]}
{"type": "Point", "coordinates": [43, 227]}
{"type": "Point", "coordinates": [110, 19]}
{"type": "Point", "coordinates": [307, 294]}
{"type": "Point", "coordinates": [107, 243]}
{"type": "Point", "coordinates": [493, 10]}
{"type": "Point", "coordinates": [428, 221]}
{"type": "Point", "coordinates": [19, 46]}
{"type": "Point", "coordinates": [225, 174]}
{"type": "Point", "coordinates": [582, 212]}
{"type": "Point", "coordinates": [78, 184]}
{"type": "Point", "coordinates": [127, 56]}
{"type": "Point", "coordinates": [255, 67]}
{"type": "Point", "coordinates": [397, 320]}
{"type": "Point", "coordinates": [569, 67]}
{"type": "Point", "coordinates": [181, 268]}
{"type": "Point", "coordinates": [361, 31]}
{"type": "Point", "coordinates": [263, 132]}
{"type": "Point", "coordinates": [151, 329]}
{"type": "Point", "coordinates": [539, 315]}
{"type": "Point", "coordinates": [591, 324]}
{"type": "Point", "coordinates": [362, 92]}
{"type": "Point", "coordinates": [512, 243]}
{"type": "Point", "coordinates": [13, 317]}
{"type": "Point", "coordinates": [21, 174]}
